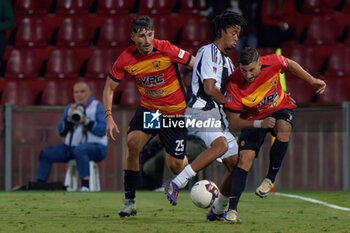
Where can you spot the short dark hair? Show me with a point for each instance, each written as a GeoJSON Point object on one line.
{"type": "Point", "coordinates": [141, 22]}
{"type": "Point", "coordinates": [224, 20]}
{"type": "Point", "coordinates": [248, 55]}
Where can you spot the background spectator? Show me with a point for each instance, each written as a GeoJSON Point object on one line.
{"type": "Point", "coordinates": [278, 22]}
{"type": "Point", "coordinates": [84, 127]}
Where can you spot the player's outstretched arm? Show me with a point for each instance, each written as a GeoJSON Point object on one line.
{"type": "Point", "coordinates": [237, 122]}
{"type": "Point", "coordinates": [297, 70]}
{"type": "Point", "coordinates": [107, 98]}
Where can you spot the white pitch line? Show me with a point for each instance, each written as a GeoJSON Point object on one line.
{"type": "Point", "coordinates": [312, 200]}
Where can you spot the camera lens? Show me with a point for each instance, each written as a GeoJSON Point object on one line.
{"type": "Point", "coordinates": [76, 117]}
{"type": "Point", "coordinates": [78, 113]}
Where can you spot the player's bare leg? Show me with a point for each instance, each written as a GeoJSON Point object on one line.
{"type": "Point", "coordinates": [176, 165]}
{"type": "Point", "coordinates": [218, 148]}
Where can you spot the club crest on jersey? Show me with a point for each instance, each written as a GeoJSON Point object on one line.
{"type": "Point", "coordinates": [274, 81]}
{"type": "Point", "coordinates": [156, 64]}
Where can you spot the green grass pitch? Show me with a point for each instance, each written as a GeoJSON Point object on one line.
{"type": "Point", "coordinates": [58, 211]}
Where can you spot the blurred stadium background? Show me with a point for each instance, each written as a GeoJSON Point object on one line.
{"type": "Point", "coordinates": [56, 42]}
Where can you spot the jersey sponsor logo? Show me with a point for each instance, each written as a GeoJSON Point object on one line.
{"type": "Point", "coordinates": [163, 91]}
{"type": "Point", "coordinates": [151, 81]}
{"type": "Point", "coordinates": [155, 93]}
{"type": "Point", "coordinates": [269, 101]}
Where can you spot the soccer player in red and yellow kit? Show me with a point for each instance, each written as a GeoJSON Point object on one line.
{"type": "Point", "coordinates": [256, 102]}
{"type": "Point", "coordinates": [152, 63]}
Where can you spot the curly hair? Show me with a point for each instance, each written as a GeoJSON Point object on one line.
{"type": "Point", "coordinates": [225, 20]}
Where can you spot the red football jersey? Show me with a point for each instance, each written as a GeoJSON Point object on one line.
{"type": "Point", "coordinates": [156, 77]}
{"type": "Point", "coordinates": [264, 95]}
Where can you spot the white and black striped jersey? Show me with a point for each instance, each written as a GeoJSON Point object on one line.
{"type": "Point", "coordinates": [210, 63]}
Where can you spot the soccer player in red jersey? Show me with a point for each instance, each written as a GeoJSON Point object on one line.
{"type": "Point", "coordinates": [152, 63]}
{"type": "Point", "coordinates": [256, 102]}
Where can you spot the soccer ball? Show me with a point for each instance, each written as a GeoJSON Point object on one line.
{"type": "Point", "coordinates": [204, 193]}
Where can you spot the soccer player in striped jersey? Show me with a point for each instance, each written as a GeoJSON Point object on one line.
{"type": "Point", "coordinates": [152, 63]}
{"type": "Point", "coordinates": [209, 80]}
{"type": "Point", "coordinates": [257, 103]}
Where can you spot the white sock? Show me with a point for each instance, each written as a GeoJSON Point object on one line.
{"type": "Point", "coordinates": [220, 205]}
{"type": "Point", "coordinates": [186, 174]}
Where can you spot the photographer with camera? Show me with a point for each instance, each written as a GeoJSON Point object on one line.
{"type": "Point", "coordinates": [84, 127]}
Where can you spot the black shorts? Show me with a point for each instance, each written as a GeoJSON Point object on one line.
{"type": "Point", "coordinates": [172, 138]}
{"type": "Point", "coordinates": [253, 138]}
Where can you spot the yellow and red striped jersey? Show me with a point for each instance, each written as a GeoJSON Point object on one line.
{"type": "Point", "coordinates": [263, 96]}
{"type": "Point", "coordinates": [156, 77]}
